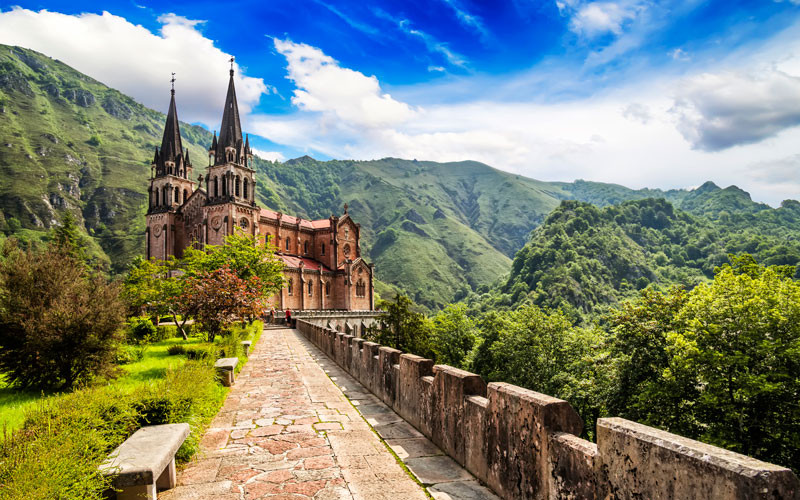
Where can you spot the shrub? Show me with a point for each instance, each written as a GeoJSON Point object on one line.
{"type": "Point", "coordinates": [164, 332]}
{"type": "Point", "coordinates": [202, 353]}
{"type": "Point", "coordinates": [59, 322]}
{"type": "Point", "coordinates": [141, 330]}
{"type": "Point", "coordinates": [175, 350]}
{"type": "Point", "coordinates": [129, 354]}
{"type": "Point", "coordinates": [64, 439]}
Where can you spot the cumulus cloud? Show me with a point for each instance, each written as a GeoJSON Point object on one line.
{"type": "Point", "coordinates": [324, 86]}
{"type": "Point", "coordinates": [720, 110]}
{"type": "Point", "coordinates": [136, 61]}
{"type": "Point", "coordinates": [592, 19]}
{"type": "Point", "coordinates": [637, 112]}
{"type": "Point", "coordinates": [269, 155]}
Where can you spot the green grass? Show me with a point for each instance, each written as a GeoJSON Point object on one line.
{"type": "Point", "coordinates": [153, 366]}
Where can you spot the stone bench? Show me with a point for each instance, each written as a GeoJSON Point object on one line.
{"type": "Point", "coordinates": [225, 368]}
{"type": "Point", "coordinates": [145, 462]}
{"type": "Point", "coordinates": [246, 344]}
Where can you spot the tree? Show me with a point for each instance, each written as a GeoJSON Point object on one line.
{"type": "Point", "coordinates": [68, 239]}
{"type": "Point", "coordinates": [453, 335]}
{"type": "Point", "coordinates": [218, 298]}
{"type": "Point", "coordinates": [402, 328]}
{"type": "Point", "coordinates": [742, 340]}
{"type": "Point", "coordinates": [59, 323]}
{"type": "Point", "coordinates": [153, 287]}
{"type": "Point", "coordinates": [244, 255]}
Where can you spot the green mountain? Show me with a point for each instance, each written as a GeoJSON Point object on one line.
{"type": "Point", "coordinates": [438, 231]}
{"type": "Point", "coordinates": [584, 259]}
{"type": "Point", "coordinates": [68, 142]}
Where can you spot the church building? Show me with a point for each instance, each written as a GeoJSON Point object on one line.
{"type": "Point", "coordinates": [324, 268]}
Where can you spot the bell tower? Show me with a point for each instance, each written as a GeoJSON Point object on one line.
{"type": "Point", "coordinates": [230, 181]}
{"type": "Point", "coordinates": [170, 187]}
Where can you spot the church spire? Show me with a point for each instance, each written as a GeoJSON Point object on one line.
{"type": "Point", "coordinates": [171, 146]}
{"type": "Point", "coordinates": [230, 132]}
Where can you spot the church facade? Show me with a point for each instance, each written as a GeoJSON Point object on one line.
{"type": "Point", "coordinates": [324, 269]}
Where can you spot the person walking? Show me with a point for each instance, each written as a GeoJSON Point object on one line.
{"type": "Point", "coordinates": [288, 317]}
{"type": "Point", "coordinates": [272, 316]}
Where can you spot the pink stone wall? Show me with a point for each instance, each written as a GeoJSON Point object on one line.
{"type": "Point", "coordinates": [524, 445]}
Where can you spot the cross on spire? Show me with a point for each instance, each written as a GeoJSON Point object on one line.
{"type": "Point", "coordinates": [232, 59]}
{"type": "Point", "coordinates": [172, 81]}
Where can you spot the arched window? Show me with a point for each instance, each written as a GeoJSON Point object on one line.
{"type": "Point", "coordinates": [224, 185]}
{"type": "Point", "coordinates": [305, 247]}
{"type": "Point", "coordinates": [216, 187]}
{"type": "Point", "coordinates": [185, 195]}
{"type": "Point", "coordinates": [323, 249]}
{"type": "Point", "coordinates": [177, 196]}
{"type": "Point", "coordinates": [289, 286]}
{"type": "Point", "coordinates": [287, 243]}
{"type": "Point", "coordinates": [361, 288]}
{"type": "Point", "coordinates": [246, 187]}
{"type": "Point", "coordinates": [236, 188]}
{"type": "Point", "coordinates": [164, 193]}
{"type": "Point", "coordinates": [327, 288]}
{"type": "Point", "coordinates": [156, 190]}
{"type": "Point", "coordinates": [310, 288]}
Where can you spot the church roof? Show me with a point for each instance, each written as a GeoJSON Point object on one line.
{"type": "Point", "coordinates": [230, 132]}
{"type": "Point", "coordinates": [308, 264]}
{"type": "Point", "coordinates": [290, 219]}
{"type": "Point", "coordinates": [171, 145]}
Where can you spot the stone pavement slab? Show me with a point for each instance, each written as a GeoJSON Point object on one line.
{"type": "Point", "coordinates": [286, 431]}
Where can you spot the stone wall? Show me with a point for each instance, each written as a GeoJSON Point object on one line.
{"type": "Point", "coordinates": [524, 445]}
{"type": "Point", "coordinates": [352, 322]}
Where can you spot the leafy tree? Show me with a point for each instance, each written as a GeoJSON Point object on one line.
{"type": "Point", "coordinates": [742, 340]}
{"type": "Point", "coordinates": [59, 323]}
{"type": "Point", "coordinates": [402, 328]}
{"type": "Point", "coordinates": [154, 288]}
{"type": "Point", "coordinates": [243, 255]}
{"type": "Point", "coordinates": [453, 335]}
{"type": "Point", "coordinates": [218, 298]}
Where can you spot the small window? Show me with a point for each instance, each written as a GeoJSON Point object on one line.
{"type": "Point", "coordinates": [310, 288]}
{"type": "Point", "coordinates": [177, 196]}
{"type": "Point", "coordinates": [361, 289]}
{"type": "Point", "coordinates": [185, 195]}
{"type": "Point", "coordinates": [289, 286]}
{"type": "Point", "coordinates": [305, 247]}
{"type": "Point", "coordinates": [323, 249]}
{"type": "Point", "coordinates": [287, 243]}
{"type": "Point", "coordinates": [246, 188]}
{"type": "Point", "coordinates": [327, 288]}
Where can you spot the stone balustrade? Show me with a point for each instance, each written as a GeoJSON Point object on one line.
{"type": "Point", "coordinates": [525, 445]}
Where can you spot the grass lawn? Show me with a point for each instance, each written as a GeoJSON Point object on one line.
{"type": "Point", "coordinates": [153, 366]}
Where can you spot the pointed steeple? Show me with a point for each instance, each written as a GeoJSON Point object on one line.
{"type": "Point", "coordinates": [171, 146]}
{"type": "Point", "coordinates": [230, 132]}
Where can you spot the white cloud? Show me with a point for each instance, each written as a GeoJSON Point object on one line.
{"type": "Point", "coordinates": [136, 61]}
{"type": "Point", "coordinates": [324, 86]}
{"type": "Point", "coordinates": [599, 18]}
{"type": "Point", "coordinates": [471, 21]}
{"type": "Point", "coordinates": [269, 155]}
{"type": "Point", "coordinates": [720, 110]}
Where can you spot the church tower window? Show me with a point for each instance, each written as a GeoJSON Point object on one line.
{"type": "Point", "coordinates": [305, 247]}
{"type": "Point", "coordinates": [185, 195]}
{"type": "Point", "coordinates": [323, 249]}
{"type": "Point", "coordinates": [289, 286]}
{"type": "Point", "coordinates": [327, 288]}
{"type": "Point", "coordinates": [287, 243]}
{"type": "Point", "coordinates": [361, 289]}
{"type": "Point", "coordinates": [310, 288]}
{"type": "Point", "coordinates": [246, 188]}
{"type": "Point", "coordinates": [236, 189]}
{"type": "Point", "coordinates": [177, 195]}
{"type": "Point", "coordinates": [216, 187]}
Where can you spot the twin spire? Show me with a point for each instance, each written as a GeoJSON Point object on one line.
{"type": "Point", "coordinates": [230, 136]}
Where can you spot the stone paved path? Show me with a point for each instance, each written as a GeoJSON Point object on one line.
{"type": "Point", "coordinates": [287, 432]}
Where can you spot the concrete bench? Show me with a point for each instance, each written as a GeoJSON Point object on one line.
{"type": "Point", "coordinates": [145, 462]}
{"type": "Point", "coordinates": [225, 368]}
{"type": "Point", "coordinates": [246, 344]}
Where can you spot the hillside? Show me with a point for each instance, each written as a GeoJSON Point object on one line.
{"type": "Point", "coordinates": [438, 231]}
{"type": "Point", "coordinates": [68, 142]}
{"type": "Point", "coordinates": [584, 259]}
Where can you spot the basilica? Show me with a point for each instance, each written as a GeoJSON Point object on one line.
{"type": "Point", "coordinates": [323, 264]}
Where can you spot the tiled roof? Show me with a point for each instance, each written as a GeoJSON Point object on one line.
{"type": "Point", "coordinates": [309, 264]}
{"type": "Point", "coordinates": [290, 219]}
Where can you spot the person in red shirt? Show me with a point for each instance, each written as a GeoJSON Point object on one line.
{"type": "Point", "coordinates": [288, 317]}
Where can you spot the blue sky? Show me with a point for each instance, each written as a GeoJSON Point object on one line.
{"type": "Point", "coordinates": [643, 93]}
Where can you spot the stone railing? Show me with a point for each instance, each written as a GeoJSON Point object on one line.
{"type": "Point", "coordinates": [351, 322]}
{"type": "Point", "coordinates": [524, 445]}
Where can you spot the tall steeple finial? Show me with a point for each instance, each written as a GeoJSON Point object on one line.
{"type": "Point", "coordinates": [231, 61]}
{"type": "Point", "coordinates": [172, 81]}
{"type": "Point", "coordinates": [230, 132]}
